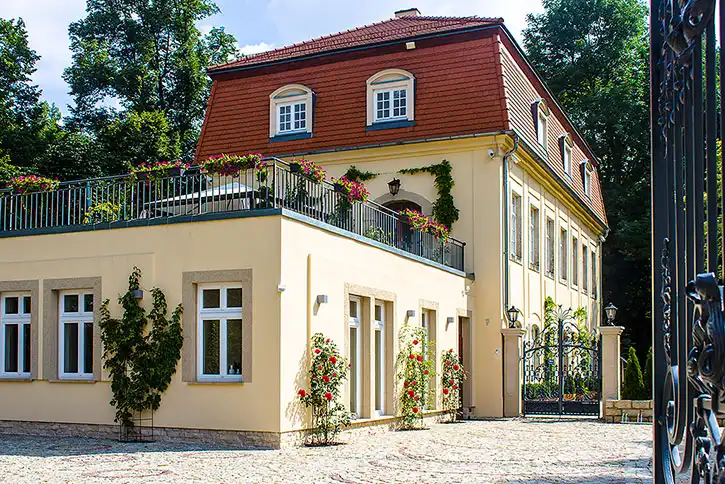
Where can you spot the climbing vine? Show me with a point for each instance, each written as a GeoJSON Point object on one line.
{"type": "Point", "coordinates": [140, 362]}
{"type": "Point", "coordinates": [444, 209]}
{"type": "Point", "coordinates": [356, 175]}
{"type": "Point", "coordinates": [415, 368]}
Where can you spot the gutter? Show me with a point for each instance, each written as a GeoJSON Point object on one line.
{"type": "Point", "coordinates": [506, 220]}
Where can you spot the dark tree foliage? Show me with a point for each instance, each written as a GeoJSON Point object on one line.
{"type": "Point", "coordinates": [593, 55]}
{"type": "Point", "coordinates": [633, 385]}
{"type": "Point", "coordinates": [648, 374]}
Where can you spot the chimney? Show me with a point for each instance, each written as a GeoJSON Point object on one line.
{"type": "Point", "coordinates": [410, 12]}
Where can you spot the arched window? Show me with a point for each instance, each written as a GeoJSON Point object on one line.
{"type": "Point", "coordinates": [566, 145]}
{"type": "Point", "coordinates": [540, 110]}
{"type": "Point", "coordinates": [390, 99]}
{"type": "Point", "coordinates": [291, 113]}
{"type": "Point", "coordinates": [587, 169]}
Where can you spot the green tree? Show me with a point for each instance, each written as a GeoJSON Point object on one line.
{"type": "Point", "coordinates": [648, 374]}
{"type": "Point", "coordinates": [633, 386]}
{"type": "Point", "coordinates": [132, 57]}
{"type": "Point", "coordinates": [593, 54]}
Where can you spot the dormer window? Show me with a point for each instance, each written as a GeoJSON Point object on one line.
{"type": "Point", "coordinates": [541, 122]}
{"type": "Point", "coordinates": [567, 148]}
{"type": "Point", "coordinates": [587, 170]}
{"type": "Point", "coordinates": [390, 99]}
{"type": "Point", "coordinates": [290, 113]}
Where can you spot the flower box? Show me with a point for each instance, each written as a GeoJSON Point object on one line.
{"type": "Point", "coordinates": [176, 171]}
{"type": "Point", "coordinates": [32, 184]}
{"type": "Point", "coordinates": [339, 188]}
{"type": "Point", "coordinates": [295, 167]}
{"type": "Point", "coordinates": [308, 169]}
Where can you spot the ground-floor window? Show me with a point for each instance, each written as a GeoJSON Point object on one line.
{"type": "Point", "coordinates": [75, 355]}
{"type": "Point", "coordinates": [220, 332]}
{"type": "Point", "coordinates": [354, 355]}
{"type": "Point", "coordinates": [15, 335]}
{"type": "Point", "coordinates": [428, 321]}
{"type": "Point", "coordinates": [379, 328]}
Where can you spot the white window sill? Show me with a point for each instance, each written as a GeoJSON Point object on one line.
{"type": "Point", "coordinates": [216, 381]}
{"type": "Point", "coordinates": [74, 379]}
{"type": "Point", "coordinates": [17, 378]}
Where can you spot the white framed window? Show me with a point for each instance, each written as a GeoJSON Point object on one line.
{"type": "Point", "coordinates": [516, 235]}
{"type": "Point", "coordinates": [585, 268]}
{"type": "Point", "coordinates": [390, 97]}
{"type": "Point", "coordinates": [550, 247]}
{"type": "Point", "coordinates": [534, 237]}
{"type": "Point", "coordinates": [574, 261]}
{"type": "Point", "coordinates": [587, 170]}
{"type": "Point", "coordinates": [219, 322]}
{"type": "Point", "coordinates": [563, 254]}
{"type": "Point", "coordinates": [595, 281]}
{"type": "Point", "coordinates": [290, 111]}
{"type": "Point", "coordinates": [355, 355]}
{"type": "Point", "coordinates": [541, 121]}
{"type": "Point", "coordinates": [75, 348]}
{"type": "Point", "coordinates": [428, 322]}
{"type": "Point", "coordinates": [566, 144]}
{"type": "Point", "coordinates": [567, 159]}
{"type": "Point", "coordinates": [379, 328]}
{"type": "Point", "coordinates": [15, 334]}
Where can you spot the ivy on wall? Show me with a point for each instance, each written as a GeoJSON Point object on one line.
{"type": "Point", "coordinates": [356, 175]}
{"type": "Point", "coordinates": [140, 362]}
{"type": "Point", "coordinates": [444, 209]}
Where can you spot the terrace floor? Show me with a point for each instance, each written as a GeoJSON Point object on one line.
{"type": "Point", "coordinates": [497, 451]}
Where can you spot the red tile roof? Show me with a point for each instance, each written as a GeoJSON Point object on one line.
{"type": "Point", "coordinates": [385, 31]}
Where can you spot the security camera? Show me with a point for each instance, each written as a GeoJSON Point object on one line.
{"type": "Point", "coordinates": [491, 154]}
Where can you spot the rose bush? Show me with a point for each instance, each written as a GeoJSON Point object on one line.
{"type": "Point", "coordinates": [452, 376]}
{"type": "Point", "coordinates": [415, 368]}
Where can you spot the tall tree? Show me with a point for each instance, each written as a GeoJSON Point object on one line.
{"type": "Point", "coordinates": [593, 54]}
{"type": "Point", "coordinates": [132, 57]}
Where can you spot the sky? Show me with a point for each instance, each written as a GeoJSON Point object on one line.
{"type": "Point", "coordinates": [258, 25]}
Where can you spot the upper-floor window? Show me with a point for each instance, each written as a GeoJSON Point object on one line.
{"type": "Point", "coordinates": [15, 335]}
{"type": "Point", "coordinates": [585, 268]}
{"type": "Point", "coordinates": [541, 121]}
{"type": "Point", "coordinates": [290, 112]}
{"type": "Point", "coordinates": [390, 99]}
{"type": "Point", "coordinates": [574, 261]}
{"type": "Point", "coordinates": [76, 335]}
{"type": "Point", "coordinates": [567, 149]}
{"type": "Point", "coordinates": [534, 237]}
{"type": "Point", "coordinates": [563, 254]}
{"type": "Point", "coordinates": [587, 169]}
{"type": "Point", "coordinates": [515, 226]}
{"type": "Point", "coordinates": [550, 246]}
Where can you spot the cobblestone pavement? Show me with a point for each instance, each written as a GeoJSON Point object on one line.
{"type": "Point", "coordinates": [498, 451]}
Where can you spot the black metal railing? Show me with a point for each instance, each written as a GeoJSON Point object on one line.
{"type": "Point", "coordinates": [687, 312]}
{"type": "Point", "coordinates": [129, 200]}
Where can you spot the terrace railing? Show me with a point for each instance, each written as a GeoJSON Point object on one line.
{"type": "Point", "coordinates": [129, 201]}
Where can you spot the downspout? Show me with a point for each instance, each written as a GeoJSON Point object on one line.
{"type": "Point", "coordinates": [506, 218]}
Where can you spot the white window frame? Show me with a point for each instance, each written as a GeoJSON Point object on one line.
{"type": "Point", "coordinates": [550, 235]}
{"type": "Point", "coordinates": [21, 319]}
{"type": "Point", "coordinates": [534, 237]}
{"type": "Point", "coordinates": [542, 129]}
{"type": "Point", "coordinates": [574, 260]}
{"type": "Point", "coordinates": [379, 326]}
{"type": "Point", "coordinates": [595, 281]}
{"type": "Point", "coordinates": [390, 80]}
{"type": "Point", "coordinates": [585, 267]}
{"type": "Point", "coordinates": [223, 314]}
{"type": "Point", "coordinates": [81, 318]}
{"type": "Point", "coordinates": [563, 254]}
{"type": "Point", "coordinates": [516, 226]}
{"type": "Point", "coordinates": [567, 157]}
{"type": "Point", "coordinates": [354, 323]}
{"type": "Point", "coordinates": [587, 171]}
{"type": "Point", "coordinates": [391, 104]}
{"type": "Point", "coordinates": [290, 95]}
{"type": "Point", "coordinates": [295, 108]}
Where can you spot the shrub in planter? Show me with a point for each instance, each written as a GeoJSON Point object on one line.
{"type": "Point", "coordinates": [633, 386]}
{"type": "Point", "coordinates": [452, 376]}
{"type": "Point", "coordinates": [353, 191]}
{"type": "Point", "coordinates": [102, 212]}
{"type": "Point", "coordinates": [161, 169]}
{"type": "Point", "coordinates": [327, 372]}
{"type": "Point", "coordinates": [309, 169]}
{"type": "Point", "coordinates": [415, 369]}
{"type": "Point", "coordinates": [230, 165]}
{"type": "Point", "coordinates": [33, 183]}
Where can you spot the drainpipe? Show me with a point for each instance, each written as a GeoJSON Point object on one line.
{"type": "Point", "coordinates": [507, 218]}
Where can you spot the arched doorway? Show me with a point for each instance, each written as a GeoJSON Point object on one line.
{"type": "Point", "coordinates": [398, 205]}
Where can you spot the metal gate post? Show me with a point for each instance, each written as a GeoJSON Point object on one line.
{"type": "Point", "coordinates": [561, 367]}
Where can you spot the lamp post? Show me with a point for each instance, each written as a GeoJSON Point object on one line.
{"type": "Point", "coordinates": [611, 312]}
{"type": "Point", "coordinates": [513, 315]}
{"type": "Point", "coordinates": [394, 186]}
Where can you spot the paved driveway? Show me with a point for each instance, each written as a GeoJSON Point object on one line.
{"type": "Point", "coordinates": [511, 451]}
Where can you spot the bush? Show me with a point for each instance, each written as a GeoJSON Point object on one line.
{"type": "Point", "coordinates": [452, 376]}
{"type": "Point", "coordinates": [633, 387]}
{"type": "Point", "coordinates": [648, 374]}
{"type": "Point", "coordinates": [415, 369]}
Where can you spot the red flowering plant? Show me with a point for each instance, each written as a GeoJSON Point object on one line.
{"type": "Point", "coordinates": [32, 183]}
{"type": "Point", "coordinates": [310, 169]}
{"type": "Point", "coordinates": [424, 224]}
{"type": "Point", "coordinates": [161, 169]}
{"type": "Point", "coordinates": [328, 370]}
{"type": "Point", "coordinates": [416, 367]}
{"type": "Point", "coordinates": [354, 191]}
{"type": "Point", "coordinates": [230, 165]}
{"type": "Point", "coordinates": [452, 376]}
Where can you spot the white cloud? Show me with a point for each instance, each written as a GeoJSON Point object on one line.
{"type": "Point", "coordinates": [250, 49]}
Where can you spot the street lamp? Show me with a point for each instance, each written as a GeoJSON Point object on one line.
{"type": "Point", "coordinates": [611, 312]}
{"type": "Point", "coordinates": [513, 315]}
{"type": "Point", "coordinates": [394, 186]}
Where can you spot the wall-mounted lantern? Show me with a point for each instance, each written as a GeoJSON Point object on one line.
{"type": "Point", "coordinates": [513, 315]}
{"type": "Point", "coordinates": [394, 186]}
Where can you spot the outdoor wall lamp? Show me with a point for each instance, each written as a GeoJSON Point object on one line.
{"type": "Point", "coordinates": [513, 315]}
{"type": "Point", "coordinates": [394, 186]}
{"type": "Point", "coordinates": [611, 312]}
{"type": "Point", "coordinates": [449, 320]}
{"type": "Point", "coordinates": [321, 299]}
{"type": "Point", "coordinates": [410, 313]}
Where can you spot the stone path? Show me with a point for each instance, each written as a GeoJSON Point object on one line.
{"type": "Point", "coordinates": [498, 451]}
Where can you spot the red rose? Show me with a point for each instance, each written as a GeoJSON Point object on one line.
{"type": "Point", "coordinates": [334, 375]}
{"type": "Point", "coordinates": [333, 360]}
{"type": "Point", "coordinates": [455, 367]}
{"type": "Point", "coordinates": [328, 396]}
{"type": "Point", "coordinates": [414, 382]}
{"type": "Point", "coordinates": [415, 409]}
{"type": "Point", "coordinates": [448, 363]}
{"type": "Point", "coordinates": [420, 358]}
{"type": "Point", "coordinates": [317, 351]}
{"type": "Point", "coordinates": [327, 340]}
{"type": "Point", "coordinates": [425, 372]}
{"type": "Point", "coordinates": [301, 393]}
{"type": "Point", "coordinates": [411, 393]}
{"type": "Point", "coordinates": [445, 391]}
{"type": "Point", "coordinates": [415, 341]}
{"type": "Point", "coordinates": [326, 378]}
{"type": "Point", "coordinates": [451, 350]}
{"type": "Point", "coordinates": [349, 365]}
{"type": "Point", "coordinates": [450, 382]}
{"type": "Point", "coordinates": [415, 398]}
{"type": "Point", "coordinates": [412, 357]}
{"type": "Point", "coordinates": [455, 387]}
{"type": "Point", "coordinates": [405, 384]}
{"type": "Point", "coordinates": [319, 367]}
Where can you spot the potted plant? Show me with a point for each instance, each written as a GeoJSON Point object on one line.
{"type": "Point", "coordinates": [309, 169]}
{"type": "Point", "coordinates": [353, 191]}
{"type": "Point", "coordinates": [33, 183]}
{"type": "Point", "coordinates": [230, 165]}
{"type": "Point", "coordinates": [153, 171]}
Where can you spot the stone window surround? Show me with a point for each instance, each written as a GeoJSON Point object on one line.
{"type": "Point", "coordinates": [368, 296]}
{"type": "Point", "coordinates": [51, 328]}
{"type": "Point", "coordinates": [33, 287]}
{"type": "Point", "coordinates": [190, 282]}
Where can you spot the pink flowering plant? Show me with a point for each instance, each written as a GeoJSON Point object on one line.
{"type": "Point", "coordinates": [424, 224]}
{"type": "Point", "coordinates": [33, 183]}
{"type": "Point", "coordinates": [310, 169]}
{"type": "Point", "coordinates": [354, 191]}
{"type": "Point", "coordinates": [415, 365]}
{"type": "Point", "coordinates": [153, 171]}
{"type": "Point", "coordinates": [230, 165]}
{"type": "Point", "coordinates": [328, 371]}
{"type": "Point", "coordinates": [452, 376]}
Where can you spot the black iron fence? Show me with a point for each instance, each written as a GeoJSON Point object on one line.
{"type": "Point", "coordinates": [124, 199]}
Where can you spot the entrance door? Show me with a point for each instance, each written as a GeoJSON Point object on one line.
{"type": "Point", "coordinates": [464, 353]}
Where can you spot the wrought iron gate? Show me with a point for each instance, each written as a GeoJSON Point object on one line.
{"type": "Point", "coordinates": [688, 328]}
{"type": "Point", "coordinates": [562, 370]}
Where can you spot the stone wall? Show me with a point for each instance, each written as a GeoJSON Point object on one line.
{"type": "Point", "coordinates": [628, 411]}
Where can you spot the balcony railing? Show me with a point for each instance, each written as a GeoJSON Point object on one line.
{"type": "Point", "coordinates": [125, 201]}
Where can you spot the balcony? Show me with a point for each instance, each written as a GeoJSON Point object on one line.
{"type": "Point", "coordinates": [126, 201]}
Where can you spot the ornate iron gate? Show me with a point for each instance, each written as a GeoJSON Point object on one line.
{"type": "Point", "coordinates": [562, 372]}
{"type": "Point", "coordinates": [688, 329]}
